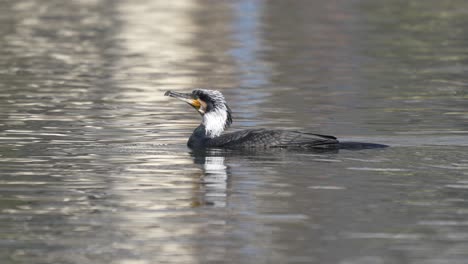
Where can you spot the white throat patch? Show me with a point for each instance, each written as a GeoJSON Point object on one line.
{"type": "Point", "coordinates": [215, 121]}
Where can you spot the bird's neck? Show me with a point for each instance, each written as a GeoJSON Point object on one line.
{"type": "Point", "coordinates": [214, 123]}
{"type": "Point", "coordinates": [200, 132]}
{"type": "Point", "coordinates": [198, 138]}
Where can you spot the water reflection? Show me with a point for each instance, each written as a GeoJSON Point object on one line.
{"type": "Point", "coordinates": [160, 56]}
{"type": "Point", "coordinates": [214, 182]}
{"type": "Point", "coordinates": [94, 167]}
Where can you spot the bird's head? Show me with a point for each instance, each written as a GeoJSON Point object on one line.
{"type": "Point", "coordinates": [211, 105]}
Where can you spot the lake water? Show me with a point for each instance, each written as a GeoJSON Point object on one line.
{"type": "Point", "coordinates": [94, 166]}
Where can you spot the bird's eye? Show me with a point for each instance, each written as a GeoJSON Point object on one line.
{"type": "Point", "coordinates": [195, 96]}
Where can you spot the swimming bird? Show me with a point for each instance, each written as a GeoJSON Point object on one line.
{"type": "Point", "coordinates": [217, 117]}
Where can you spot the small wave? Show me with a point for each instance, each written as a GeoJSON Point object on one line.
{"type": "Point", "coordinates": [375, 169]}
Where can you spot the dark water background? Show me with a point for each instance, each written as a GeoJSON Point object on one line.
{"type": "Point", "coordinates": [93, 162]}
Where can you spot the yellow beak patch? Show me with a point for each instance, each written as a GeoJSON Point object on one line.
{"type": "Point", "coordinates": [195, 103]}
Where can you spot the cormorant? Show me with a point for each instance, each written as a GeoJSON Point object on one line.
{"type": "Point", "coordinates": [216, 117]}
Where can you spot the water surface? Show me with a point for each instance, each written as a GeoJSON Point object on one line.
{"type": "Point", "coordinates": [93, 162]}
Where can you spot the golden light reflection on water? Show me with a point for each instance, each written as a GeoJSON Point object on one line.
{"type": "Point", "coordinates": [165, 47]}
{"type": "Point", "coordinates": [168, 50]}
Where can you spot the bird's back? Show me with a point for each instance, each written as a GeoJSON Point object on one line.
{"type": "Point", "coordinates": [263, 138]}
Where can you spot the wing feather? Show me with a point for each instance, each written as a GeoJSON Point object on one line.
{"type": "Point", "coordinates": [271, 138]}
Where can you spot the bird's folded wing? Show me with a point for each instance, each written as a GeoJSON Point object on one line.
{"type": "Point", "coordinates": [271, 138]}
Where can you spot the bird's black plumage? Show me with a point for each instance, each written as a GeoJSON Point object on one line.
{"type": "Point", "coordinates": [213, 108]}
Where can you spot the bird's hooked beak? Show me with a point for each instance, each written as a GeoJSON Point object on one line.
{"type": "Point", "coordinates": [189, 98]}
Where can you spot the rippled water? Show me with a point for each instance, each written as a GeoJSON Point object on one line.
{"type": "Point", "coordinates": [93, 162]}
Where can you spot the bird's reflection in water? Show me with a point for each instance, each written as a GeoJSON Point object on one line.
{"type": "Point", "coordinates": [214, 181]}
